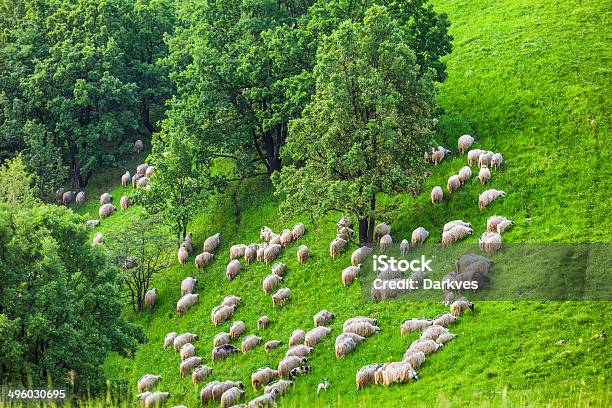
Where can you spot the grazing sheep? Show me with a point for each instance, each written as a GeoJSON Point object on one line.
{"type": "Point", "coordinates": [281, 386]}
{"type": "Point", "coordinates": [203, 259]}
{"type": "Point", "coordinates": [138, 147]}
{"type": "Point", "coordinates": [221, 313]}
{"type": "Point", "coordinates": [261, 251]}
{"type": "Point", "coordinates": [211, 243]}
{"type": "Point", "coordinates": [80, 197]}
{"type": "Point", "coordinates": [349, 274]}
{"type": "Point", "coordinates": [414, 358]}
{"type": "Point", "coordinates": [314, 336]}
{"type": "Point", "coordinates": [150, 298]}
{"type": "Point", "coordinates": [237, 329]}
{"type": "Point", "coordinates": [262, 377]}
{"type": "Point", "coordinates": [265, 400]}
{"type": "Point", "coordinates": [488, 196]}
{"type": "Point", "coordinates": [452, 224]}
{"type": "Point", "coordinates": [231, 397]}
{"type": "Point", "coordinates": [381, 230]}
{"type": "Point", "coordinates": [105, 198]}
{"type": "Point", "coordinates": [299, 350]}
{"type": "Point", "coordinates": [236, 251]}
{"type": "Point", "coordinates": [188, 242]}
{"type": "Point", "coordinates": [272, 344]}
{"type": "Point", "coordinates": [497, 160]}
{"type": "Point", "coordinates": [323, 317]}
{"type": "Point", "coordinates": [465, 173]}
{"type": "Point", "coordinates": [125, 202]}
{"type": "Point", "coordinates": [286, 237]}
{"type": "Point", "coordinates": [437, 195]}
{"type": "Point", "coordinates": [188, 365]}
{"type": "Point", "coordinates": [505, 224]}
{"type": "Point", "coordinates": [219, 389]}
{"type": "Point", "coordinates": [143, 396]}
{"type": "Point", "coordinates": [92, 223]}
{"type": "Point", "coordinates": [389, 290]}
{"type": "Point", "coordinates": [323, 385]}
{"type": "Point", "coordinates": [455, 234]}
{"type": "Point", "coordinates": [125, 179]}
{"type": "Point", "coordinates": [453, 184]}
{"type": "Point", "coordinates": [404, 246]}
{"type": "Point", "coordinates": [149, 171]}
{"type": "Point", "coordinates": [412, 325]}
{"type": "Point", "coordinates": [169, 339]}
{"type": "Point", "coordinates": [473, 156]}
{"type": "Point", "coordinates": [425, 346]}
{"type": "Point", "coordinates": [438, 155]}
{"type": "Point", "coordinates": [344, 233]}
{"type": "Point", "coordinates": [297, 337]}
{"type": "Point", "coordinates": [187, 285]}
{"type": "Point", "coordinates": [185, 302]}
{"type": "Point", "coordinates": [265, 234]}
{"type": "Point", "coordinates": [223, 352]}
{"type": "Point", "coordinates": [398, 372]}
{"type": "Point", "coordinates": [344, 345]}
{"type": "Point", "coordinates": [385, 242]}
{"type": "Point", "coordinates": [98, 239]}
{"type": "Point", "coordinates": [221, 339]}
{"type": "Point", "coordinates": [297, 371]}
{"type": "Point", "coordinates": [289, 363]}
{"type": "Point", "coordinates": [484, 174]}
{"type": "Point", "coordinates": [433, 332]}
{"type": "Point", "coordinates": [419, 236]}
{"type": "Point", "coordinates": [232, 269]}
{"type": "Point", "coordinates": [365, 375]}
{"type": "Point", "coordinates": [445, 338]}
{"type": "Point", "coordinates": [142, 182]}
{"type": "Point", "coordinates": [445, 319]}
{"type": "Point", "coordinates": [275, 240]}
{"type": "Point", "coordinates": [156, 399]}
{"type": "Point", "coordinates": [271, 252]}
{"type": "Point", "coordinates": [182, 339]}
{"type": "Point", "coordinates": [360, 254]}
{"type": "Point", "coordinates": [106, 210]}
{"type": "Point", "coordinates": [359, 319]}
{"type": "Point", "coordinates": [147, 381]}
{"type": "Point", "coordinates": [135, 179]}
{"type": "Point", "coordinates": [142, 169]}
{"type": "Point", "coordinates": [187, 351]}
{"type": "Point", "coordinates": [298, 231]}
{"type": "Point", "coordinates": [363, 329]}
{"type": "Point", "coordinates": [302, 254]}
{"type": "Point", "coordinates": [468, 259]}
{"type": "Point", "coordinates": [345, 221]}
{"type": "Point", "coordinates": [182, 255]}
{"type": "Point", "coordinates": [490, 242]}
{"type": "Point", "coordinates": [250, 342]}
{"type": "Point", "coordinates": [250, 253]}
{"type": "Point", "coordinates": [485, 159]}
{"type": "Point", "coordinates": [493, 221]}
{"type": "Point", "coordinates": [336, 247]}
{"type": "Point", "coordinates": [263, 322]}
{"type": "Point", "coordinates": [464, 143]}
{"type": "Point", "coordinates": [231, 300]}
{"type": "Point", "coordinates": [281, 296]}
{"type": "Point", "coordinates": [206, 392]}
{"type": "Point", "coordinates": [279, 269]}
{"type": "Point", "coordinates": [200, 373]}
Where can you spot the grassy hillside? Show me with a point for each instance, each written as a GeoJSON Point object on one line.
{"type": "Point", "coordinates": [528, 79]}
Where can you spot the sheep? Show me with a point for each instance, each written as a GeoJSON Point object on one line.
{"type": "Point", "coordinates": [105, 198]}
{"type": "Point", "coordinates": [488, 196]}
{"type": "Point", "coordinates": [169, 339]}
{"type": "Point", "coordinates": [281, 386]}
{"type": "Point", "coordinates": [485, 159]}
{"type": "Point", "coordinates": [147, 381]}
{"type": "Point", "coordinates": [261, 251]}
{"type": "Point", "coordinates": [302, 254]}
{"type": "Point", "coordinates": [336, 246]}
{"type": "Point", "coordinates": [221, 313]}
{"type": "Point", "coordinates": [149, 171]}
{"type": "Point", "coordinates": [189, 364]}
{"type": "Point", "coordinates": [398, 372]}
{"type": "Point", "coordinates": [425, 346]}
{"type": "Point", "coordinates": [250, 342]}
{"type": "Point", "coordinates": [455, 234]}
{"type": "Point", "coordinates": [297, 371]}
{"type": "Point", "coordinates": [135, 179]}
{"type": "Point", "coordinates": [156, 399]}
{"type": "Point", "coordinates": [265, 400]}
{"type": "Point", "coordinates": [187, 285]}
{"type": "Point", "coordinates": [349, 274]}
{"type": "Point", "coordinates": [298, 231]}
{"type": "Point", "coordinates": [472, 157]}
{"type": "Point", "coordinates": [437, 195]}
{"type": "Point", "coordinates": [323, 317]}
{"type": "Point", "coordinates": [359, 319]}
{"type": "Point", "coordinates": [473, 275]}
{"type": "Point", "coordinates": [272, 344]}
{"type": "Point", "coordinates": [203, 259]}
{"type": "Point", "coordinates": [142, 182]}
{"type": "Point", "coordinates": [465, 173]}
{"type": "Point", "coordinates": [92, 223]}
{"type": "Point", "coordinates": [438, 155]}
{"type": "Point", "coordinates": [414, 358]}
{"type": "Point", "coordinates": [323, 385]}
{"type": "Point", "coordinates": [299, 350]}
{"type": "Point", "coordinates": [221, 339]}
{"type": "Point", "coordinates": [185, 302]}
{"type": "Point", "coordinates": [289, 363]}
{"type": "Point", "coordinates": [380, 230]}
{"type": "Point", "coordinates": [419, 236]}
{"type": "Point", "coordinates": [125, 179]}
{"type": "Point", "coordinates": [59, 194]}
{"type": "Point", "coordinates": [222, 352]}
{"type": "Point", "coordinates": [363, 329]}
{"type": "Point", "coordinates": [497, 160]}
{"type": "Point", "coordinates": [206, 392]}
{"type": "Point", "coordinates": [98, 239]}
{"type": "Point", "coordinates": [490, 242]}
{"type": "Point", "coordinates": [360, 254]}
{"type": "Point", "coordinates": [275, 240]}
{"type": "Point", "coordinates": [250, 253]}
{"type": "Point", "coordinates": [281, 296]}
{"type": "Point", "coordinates": [188, 242]}
{"type": "Point", "coordinates": [385, 242]}
{"type": "Point", "coordinates": [262, 377]}
{"type": "Point", "coordinates": [182, 339]}
{"type": "Point", "coordinates": [231, 300]}
{"type": "Point", "coordinates": [433, 332]}
{"type": "Point", "coordinates": [237, 329]}
{"type": "Point", "coordinates": [365, 375]}
{"type": "Point", "coordinates": [211, 243]}
{"type": "Point", "coordinates": [286, 237]}
{"type": "Point", "coordinates": [182, 255]}
{"type": "Point", "coordinates": [505, 224]}
{"type": "Point", "coordinates": [106, 210]}
{"type": "Point", "coordinates": [344, 345]}
{"type": "Point", "coordinates": [187, 351]}
{"type": "Point", "coordinates": [445, 319]}
{"type": "Point", "coordinates": [464, 143]}
{"type": "Point", "coordinates": [390, 289]}
{"type": "Point", "coordinates": [453, 183]}
{"type": "Point", "coordinates": [219, 389]}
{"type": "Point", "coordinates": [150, 298]}
{"type": "Point", "coordinates": [142, 169]}
{"type": "Point", "coordinates": [265, 234]}
{"type": "Point", "coordinates": [80, 197]}
{"type": "Point", "coordinates": [412, 325]}
{"type": "Point", "coordinates": [138, 147]}
{"type": "Point", "coordinates": [345, 221]}
{"type": "Point", "coordinates": [271, 252]}
{"type": "Point", "coordinates": [232, 269]}
{"type": "Point", "coordinates": [143, 396]}
{"type": "Point", "coordinates": [344, 233]}
{"type": "Point", "coordinates": [404, 246]}
{"type": "Point", "coordinates": [445, 338]}
{"type": "Point", "coordinates": [484, 174]}
{"type": "Point", "coordinates": [298, 336]}
{"type": "Point", "coordinates": [263, 322]}
{"type": "Point", "coordinates": [236, 251]}
{"type": "Point", "coordinates": [231, 397]}
{"type": "Point", "coordinates": [468, 259]}
{"type": "Point", "coordinates": [279, 269]}
{"type": "Point", "coordinates": [451, 224]}
{"type": "Point", "coordinates": [314, 336]}
{"type": "Point", "coordinates": [200, 373]}
{"type": "Point", "coordinates": [125, 202]}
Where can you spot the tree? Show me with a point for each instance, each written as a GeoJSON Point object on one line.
{"type": "Point", "coordinates": [16, 184]}
{"type": "Point", "coordinates": [141, 250]}
{"type": "Point", "coordinates": [59, 301]}
{"type": "Point", "coordinates": [372, 118]}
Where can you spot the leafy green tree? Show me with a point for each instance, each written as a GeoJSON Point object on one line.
{"type": "Point", "coordinates": [372, 114]}
{"type": "Point", "coordinates": [16, 184]}
{"type": "Point", "coordinates": [60, 311]}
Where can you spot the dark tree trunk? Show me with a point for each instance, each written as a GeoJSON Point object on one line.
{"type": "Point", "coordinates": [145, 118]}
{"type": "Point", "coordinates": [372, 220]}
{"type": "Point", "coordinates": [363, 230]}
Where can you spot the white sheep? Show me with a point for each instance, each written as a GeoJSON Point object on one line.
{"type": "Point", "coordinates": [280, 386]}
{"type": "Point", "coordinates": [188, 365]}
{"type": "Point", "coordinates": [266, 400]}
{"type": "Point", "coordinates": [336, 247]}
{"type": "Point", "coordinates": [262, 377]}
{"type": "Point", "coordinates": [433, 332]}
{"type": "Point", "coordinates": [465, 173]}
{"type": "Point", "coordinates": [272, 344]}
{"type": "Point", "coordinates": [271, 282]}
{"type": "Point", "coordinates": [222, 352]}
{"type": "Point", "coordinates": [437, 195]}
{"type": "Point", "coordinates": [298, 231]}
{"type": "Point", "coordinates": [206, 392]}
{"type": "Point", "coordinates": [80, 197]}
{"type": "Point", "coordinates": [263, 322]}
{"type": "Point", "coordinates": [219, 389]}
{"type": "Point", "coordinates": [230, 397]}
{"type": "Point", "coordinates": [281, 296]}
{"type": "Point", "coordinates": [385, 242]}
{"type": "Point", "coordinates": [359, 319]}
{"type": "Point", "coordinates": [297, 337]}
{"type": "Point", "coordinates": [221, 313]}
{"type": "Point", "coordinates": [211, 243]}
{"type": "Point", "coordinates": [236, 251]}
{"type": "Point", "coordinates": [414, 358]}
{"type": "Point", "coordinates": [419, 236]}
{"type": "Point", "coordinates": [497, 160]}
{"type": "Point", "coordinates": [232, 269]}
{"type": "Point", "coordinates": [365, 375]}
{"type": "Point", "coordinates": [265, 234]}
{"type": "Point", "coordinates": [203, 259]}
{"type": "Point", "coordinates": [488, 196]}
{"type": "Point", "coordinates": [169, 339]}
{"type": "Point", "coordinates": [455, 234]}
{"type": "Point", "coordinates": [344, 345]}
{"type": "Point", "coordinates": [231, 300]}
{"type": "Point", "coordinates": [473, 156]}
{"type": "Point", "coordinates": [125, 179]}
{"type": "Point", "coordinates": [187, 285]}
{"type": "Point", "coordinates": [237, 329]}
{"type": "Point", "coordinates": [344, 233]}
{"type": "Point", "coordinates": [484, 174]}
{"type": "Point", "coordinates": [279, 269]}
{"type": "Point", "coordinates": [135, 179]}
{"type": "Point", "coordinates": [464, 143]}
{"type": "Point", "coordinates": [182, 339]}
{"type": "Point", "coordinates": [504, 225]}
{"type": "Point", "coordinates": [250, 342]}
{"type": "Point", "coordinates": [221, 339]}
{"type": "Point", "coordinates": [150, 298]}
{"type": "Point", "coordinates": [459, 306]}
{"type": "Point", "coordinates": [200, 373]}
{"type": "Point", "coordinates": [445, 319]}
{"type": "Point", "coordinates": [322, 317]}
{"type": "Point", "coordinates": [349, 274]}
{"type": "Point", "coordinates": [381, 230]}
{"type": "Point", "coordinates": [490, 242]}
{"type": "Point", "coordinates": [187, 351]}
{"type": "Point", "coordinates": [261, 251]}
{"type": "Point", "coordinates": [147, 381]}
{"type": "Point", "coordinates": [412, 325]}
{"type": "Point", "coordinates": [445, 338]}
{"type": "Point", "coordinates": [138, 147]}
{"type": "Point", "coordinates": [302, 254]}
{"type": "Point", "coordinates": [185, 302]}
{"type": "Point", "coordinates": [425, 346]}
{"type": "Point", "coordinates": [451, 224]}
{"type": "Point", "coordinates": [156, 399]}
{"type": "Point", "coordinates": [286, 237]}
{"type": "Point", "coordinates": [360, 254]}
{"type": "Point", "coordinates": [363, 329]}
{"type": "Point", "coordinates": [398, 372]}
{"type": "Point", "coordinates": [485, 158]}
{"type": "Point", "coordinates": [105, 198]}
{"type": "Point", "coordinates": [314, 336]}
{"type": "Point", "coordinates": [289, 363]}
{"type": "Point", "coordinates": [106, 210]}
{"type": "Point", "coordinates": [250, 253]}
{"type": "Point", "coordinates": [182, 255]}
{"type": "Point", "coordinates": [300, 350]}
{"type": "Point", "coordinates": [453, 184]}
{"type": "Point", "coordinates": [438, 155]}
{"type": "Point", "coordinates": [98, 238]}
{"type": "Point", "coordinates": [271, 252]}
{"type": "Point", "coordinates": [142, 169]}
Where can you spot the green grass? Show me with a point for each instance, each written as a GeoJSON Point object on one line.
{"type": "Point", "coordinates": [528, 78]}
